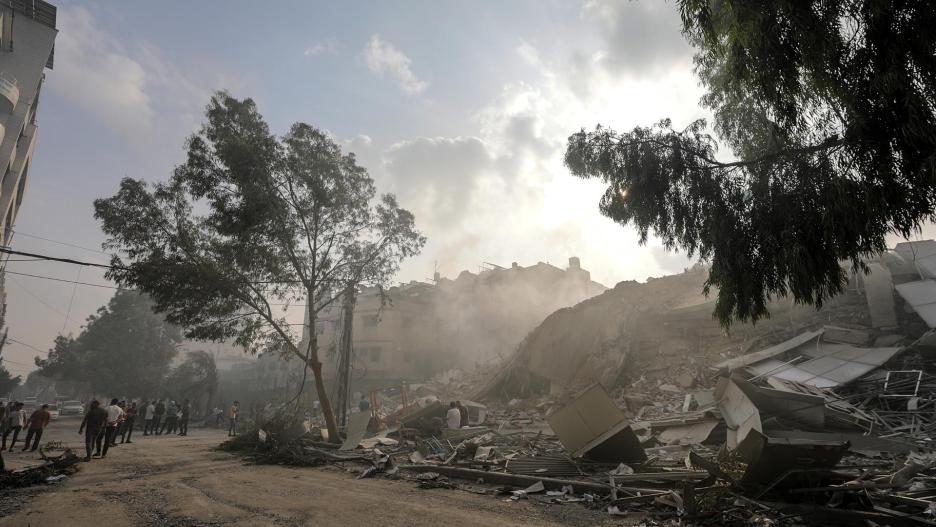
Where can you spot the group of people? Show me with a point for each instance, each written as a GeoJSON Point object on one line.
{"type": "Point", "coordinates": [166, 417]}
{"type": "Point", "coordinates": [13, 420]}
{"type": "Point", "coordinates": [102, 426]}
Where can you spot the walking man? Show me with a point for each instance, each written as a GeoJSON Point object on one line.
{"type": "Point", "coordinates": [149, 409]}
{"type": "Point", "coordinates": [93, 427]}
{"type": "Point", "coordinates": [37, 423]}
{"type": "Point", "coordinates": [128, 423]}
{"type": "Point", "coordinates": [114, 415]}
{"type": "Point", "coordinates": [172, 418]}
{"type": "Point", "coordinates": [158, 415]}
{"type": "Point", "coordinates": [184, 418]}
{"type": "Point", "coordinates": [15, 422]}
{"type": "Point", "coordinates": [232, 418]}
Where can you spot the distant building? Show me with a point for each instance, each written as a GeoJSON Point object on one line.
{"type": "Point", "coordinates": [27, 38]}
{"type": "Point", "coordinates": [421, 329]}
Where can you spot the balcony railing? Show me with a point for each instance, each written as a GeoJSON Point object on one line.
{"type": "Point", "coordinates": [9, 90]}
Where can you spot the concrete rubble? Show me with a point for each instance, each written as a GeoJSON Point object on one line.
{"type": "Point", "coordinates": [637, 403]}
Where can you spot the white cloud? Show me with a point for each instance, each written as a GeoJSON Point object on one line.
{"type": "Point", "coordinates": [501, 193]}
{"type": "Point", "coordinates": [321, 48]}
{"type": "Point", "coordinates": [126, 87]}
{"type": "Point", "coordinates": [383, 58]}
{"type": "Point", "coordinates": [94, 72]}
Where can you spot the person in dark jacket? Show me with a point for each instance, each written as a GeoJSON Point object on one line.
{"type": "Point", "coordinates": [184, 411]}
{"type": "Point", "coordinates": [463, 412]}
{"type": "Point", "coordinates": [127, 427]}
{"type": "Point", "coordinates": [157, 417]}
{"type": "Point", "coordinates": [93, 427]}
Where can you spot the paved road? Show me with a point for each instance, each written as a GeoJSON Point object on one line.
{"type": "Point", "coordinates": [183, 481]}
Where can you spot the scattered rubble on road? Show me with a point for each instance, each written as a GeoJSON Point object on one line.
{"type": "Point", "coordinates": [636, 404]}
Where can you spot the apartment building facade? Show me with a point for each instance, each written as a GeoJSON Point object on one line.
{"type": "Point", "coordinates": [27, 40]}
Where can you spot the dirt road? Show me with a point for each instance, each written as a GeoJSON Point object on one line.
{"type": "Point", "coordinates": [183, 481]}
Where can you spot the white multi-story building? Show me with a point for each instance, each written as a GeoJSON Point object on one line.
{"type": "Point", "coordinates": [27, 37]}
{"type": "Point", "coordinates": [27, 40]}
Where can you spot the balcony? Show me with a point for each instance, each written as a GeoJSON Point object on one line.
{"type": "Point", "coordinates": [9, 92]}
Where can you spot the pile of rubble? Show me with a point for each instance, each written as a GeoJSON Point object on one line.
{"type": "Point", "coordinates": [813, 417]}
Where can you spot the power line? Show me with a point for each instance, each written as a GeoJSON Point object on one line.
{"type": "Point", "coordinates": [66, 281]}
{"type": "Point", "coordinates": [57, 241]}
{"type": "Point", "coordinates": [36, 297]}
{"type": "Point", "coordinates": [70, 302]}
{"type": "Point", "coordinates": [30, 346]}
{"type": "Point", "coordinates": [7, 250]}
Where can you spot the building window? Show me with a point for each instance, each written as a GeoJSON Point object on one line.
{"type": "Point", "coordinates": [374, 354]}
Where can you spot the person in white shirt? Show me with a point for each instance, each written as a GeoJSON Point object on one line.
{"type": "Point", "coordinates": [114, 414]}
{"type": "Point", "coordinates": [453, 416]}
{"type": "Point", "coordinates": [148, 414]}
{"type": "Point", "coordinates": [15, 422]}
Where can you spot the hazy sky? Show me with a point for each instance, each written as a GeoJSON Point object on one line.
{"type": "Point", "coordinates": [461, 108]}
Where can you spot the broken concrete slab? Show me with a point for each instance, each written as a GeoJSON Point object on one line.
{"type": "Point", "coordinates": [879, 294]}
{"type": "Point", "coordinates": [357, 428]}
{"type": "Point", "coordinates": [768, 353]}
{"type": "Point", "coordinates": [593, 426]}
{"type": "Point", "coordinates": [921, 296]}
{"type": "Point", "coordinates": [770, 458]}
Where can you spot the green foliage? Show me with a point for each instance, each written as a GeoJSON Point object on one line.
{"type": "Point", "coordinates": [828, 107]}
{"type": "Point", "coordinates": [7, 381]}
{"type": "Point", "coordinates": [284, 221]}
{"type": "Point", "coordinates": [195, 379]}
{"type": "Point", "coordinates": [250, 221]}
{"type": "Point", "coordinates": [125, 349]}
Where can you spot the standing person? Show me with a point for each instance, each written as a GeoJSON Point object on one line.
{"type": "Point", "coordinates": [15, 422]}
{"type": "Point", "coordinates": [128, 423]}
{"type": "Point", "coordinates": [120, 423]}
{"type": "Point", "coordinates": [92, 425]}
{"type": "Point", "coordinates": [148, 412]}
{"type": "Point", "coordinates": [158, 415]}
{"type": "Point", "coordinates": [35, 425]}
{"type": "Point", "coordinates": [463, 411]}
{"type": "Point", "coordinates": [364, 405]}
{"type": "Point", "coordinates": [218, 416]}
{"type": "Point", "coordinates": [184, 412]}
{"type": "Point", "coordinates": [172, 418]}
{"type": "Point", "coordinates": [5, 411]}
{"type": "Point", "coordinates": [232, 418]}
{"type": "Point", "coordinates": [453, 416]}
{"type": "Point", "coordinates": [114, 415]}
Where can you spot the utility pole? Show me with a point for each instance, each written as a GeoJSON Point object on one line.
{"type": "Point", "coordinates": [345, 355]}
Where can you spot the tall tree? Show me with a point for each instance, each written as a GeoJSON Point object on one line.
{"type": "Point", "coordinates": [196, 379]}
{"type": "Point", "coordinates": [251, 222]}
{"type": "Point", "coordinates": [829, 108]}
{"type": "Point", "coordinates": [125, 349]}
{"type": "Point", "coordinates": [7, 381]}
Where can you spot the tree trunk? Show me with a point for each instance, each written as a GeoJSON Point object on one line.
{"type": "Point", "coordinates": [327, 411]}
{"type": "Point", "coordinates": [315, 364]}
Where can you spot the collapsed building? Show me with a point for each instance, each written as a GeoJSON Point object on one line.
{"type": "Point", "coordinates": [414, 331]}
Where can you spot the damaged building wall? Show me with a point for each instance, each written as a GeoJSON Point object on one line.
{"type": "Point", "coordinates": [421, 329]}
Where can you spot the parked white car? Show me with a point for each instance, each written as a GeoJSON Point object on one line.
{"type": "Point", "coordinates": [71, 408]}
{"type": "Point", "coordinates": [54, 411]}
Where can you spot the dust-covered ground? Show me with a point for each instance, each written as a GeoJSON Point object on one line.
{"type": "Point", "coordinates": [184, 481]}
